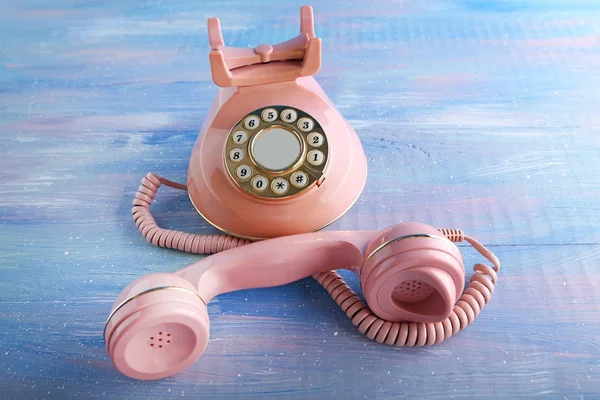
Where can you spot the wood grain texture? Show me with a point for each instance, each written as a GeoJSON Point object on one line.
{"type": "Point", "coordinates": [478, 115]}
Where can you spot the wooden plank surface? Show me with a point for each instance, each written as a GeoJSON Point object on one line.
{"type": "Point", "coordinates": [478, 115]}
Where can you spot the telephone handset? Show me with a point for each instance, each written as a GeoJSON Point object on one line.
{"type": "Point", "coordinates": [412, 276]}
{"type": "Point", "coordinates": [275, 160]}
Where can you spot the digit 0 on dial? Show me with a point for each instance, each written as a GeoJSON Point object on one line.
{"type": "Point", "coordinates": [276, 152]}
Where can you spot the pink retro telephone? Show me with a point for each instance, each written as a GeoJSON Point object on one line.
{"type": "Point", "coordinates": [275, 160]}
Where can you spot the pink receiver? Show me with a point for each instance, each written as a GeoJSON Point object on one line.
{"type": "Point", "coordinates": [412, 276]}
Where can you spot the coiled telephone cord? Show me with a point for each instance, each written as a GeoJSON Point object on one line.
{"type": "Point", "coordinates": [170, 239]}
{"type": "Point", "coordinates": [466, 309]}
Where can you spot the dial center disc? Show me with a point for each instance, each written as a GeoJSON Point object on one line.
{"type": "Point", "coordinates": [276, 148]}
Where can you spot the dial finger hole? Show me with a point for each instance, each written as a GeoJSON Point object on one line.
{"type": "Point", "coordinates": [251, 122]}
{"type": "Point", "coordinates": [315, 157]}
{"type": "Point", "coordinates": [306, 124]}
{"type": "Point", "coordinates": [236, 155]}
{"type": "Point", "coordinates": [315, 139]}
{"type": "Point", "coordinates": [240, 137]}
{"type": "Point", "coordinates": [288, 115]}
{"type": "Point", "coordinates": [243, 172]}
{"type": "Point", "coordinates": [299, 179]}
{"type": "Point", "coordinates": [279, 186]}
{"type": "Point", "coordinates": [260, 183]}
{"type": "Point", "coordinates": [269, 115]}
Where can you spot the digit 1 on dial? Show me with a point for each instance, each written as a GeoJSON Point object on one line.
{"type": "Point", "coordinates": [315, 157]}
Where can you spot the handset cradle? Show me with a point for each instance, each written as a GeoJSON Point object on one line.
{"type": "Point", "coordinates": [239, 66]}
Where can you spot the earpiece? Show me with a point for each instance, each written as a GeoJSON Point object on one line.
{"type": "Point", "coordinates": [412, 277]}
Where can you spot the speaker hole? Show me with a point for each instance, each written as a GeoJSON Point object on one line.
{"type": "Point", "coordinates": [411, 291]}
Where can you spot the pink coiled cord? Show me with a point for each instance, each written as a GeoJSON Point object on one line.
{"type": "Point", "coordinates": [466, 309]}
{"type": "Point", "coordinates": [170, 239]}
{"type": "Point", "coordinates": [408, 334]}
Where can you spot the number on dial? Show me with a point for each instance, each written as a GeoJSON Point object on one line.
{"type": "Point", "coordinates": [315, 139]}
{"type": "Point", "coordinates": [315, 157]}
{"type": "Point", "coordinates": [251, 122]}
{"type": "Point", "coordinates": [243, 172]}
{"type": "Point", "coordinates": [236, 155]}
{"type": "Point", "coordinates": [306, 124]}
{"type": "Point", "coordinates": [269, 115]}
{"type": "Point", "coordinates": [289, 116]}
{"type": "Point", "coordinates": [259, 183]}
{"type": "Point", "coordinates": [240, 137]}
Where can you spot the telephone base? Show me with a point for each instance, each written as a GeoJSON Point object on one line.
{"type": "Point", "coordinates": [229, 203]}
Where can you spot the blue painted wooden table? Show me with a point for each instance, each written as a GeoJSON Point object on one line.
{"type": "Point", "coordinates": [477, 115]}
